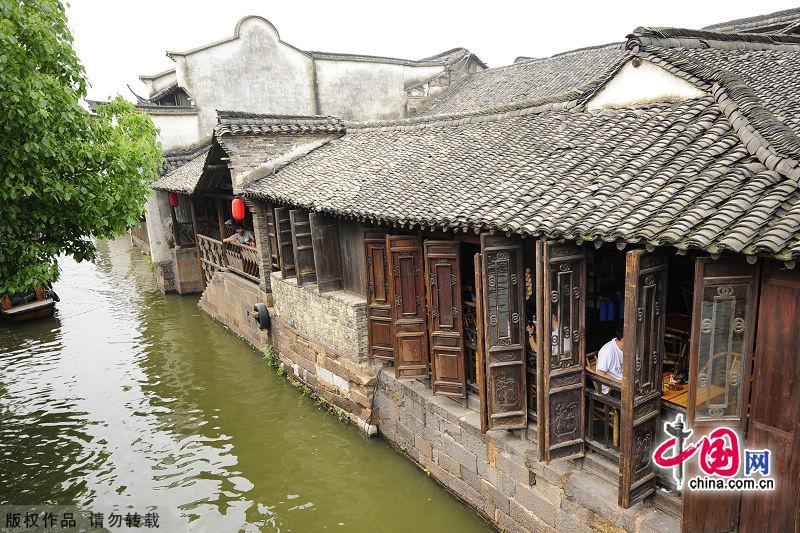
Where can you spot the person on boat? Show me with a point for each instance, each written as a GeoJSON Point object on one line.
{"type": "Point", "coordinates": [242, 236]}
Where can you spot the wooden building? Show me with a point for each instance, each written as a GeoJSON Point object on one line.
{"type": "Point", "coordinates": [497, 245]}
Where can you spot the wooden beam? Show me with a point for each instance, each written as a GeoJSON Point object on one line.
{"type": "Point", "coordinates": [220, 219]}
{"type": "Point", "coordinates": [175, 239]}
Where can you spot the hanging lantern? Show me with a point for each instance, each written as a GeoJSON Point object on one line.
{"type": "Point", "coordinates": [173, 199]}
{"type": "Point", "coordinates": [237, 209]}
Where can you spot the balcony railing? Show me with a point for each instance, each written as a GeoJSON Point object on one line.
{"type": "Point", "coordinates": [234, 257]}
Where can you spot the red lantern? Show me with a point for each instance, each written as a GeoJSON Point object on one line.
{"type": "Point", "coordinates": [173, 199]}
{"type": "Point", "coordinates": [237, 209]}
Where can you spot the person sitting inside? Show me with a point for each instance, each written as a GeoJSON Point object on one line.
{"type": "Point", "coordinates": [609, 358]}
{"type": "Point", "coordinates": [242, 236]}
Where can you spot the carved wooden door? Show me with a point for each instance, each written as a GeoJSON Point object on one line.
{"type": "Point", "coordinates": [406, 289]}
{"type": "Point", "coordinates": [284, 235]}
{"type": "Point", "coordinates": [443, 281]}
{"type": "Point", "coordinates": [723, 321]}
{"type": "Point", "coordinates": [775, 403]}
{"type": "Point", "coordinates": [504, 331]}
{"type": "Point", "coordinates": [272, 231]}
{"type": "Point", "coordinates": [560, 315]}
{"type": "Point", "coordinates": [642, 379]}
{"type": "Point", "coordinates": [380, 332]}
{"type": "Point", "coordinates": [303, 247]}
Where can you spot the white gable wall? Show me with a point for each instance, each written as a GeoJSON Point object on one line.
{"type": "Point", "coordinates": [640, 85]}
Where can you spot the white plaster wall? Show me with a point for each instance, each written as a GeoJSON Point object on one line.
{"type": "Point", "coordinates": [157, 216]}
{"type": "Point", "coordinates": [176, 131]}
{"type": "Point", "coordinates": [643, 84]}
{"type": "Point", "coordinates": [156, 84]}
{"type": "Point", "coordinates": [360, 90]}
{"type": "Point", "coordinates": [255, 72]}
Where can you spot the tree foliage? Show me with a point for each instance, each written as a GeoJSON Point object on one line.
{"type": "Point", "coordinates": [67, 177]}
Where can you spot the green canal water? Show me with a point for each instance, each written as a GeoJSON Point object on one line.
{"type": "Point", "coordinates": [133, 401]}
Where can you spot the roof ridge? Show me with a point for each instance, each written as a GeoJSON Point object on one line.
{"type": "Point", "coordinates": [785, 13]}
{"type": "Point", "coordinates": [762, 133]}
{"type": "Point", "coordinates": [666, 37]}
{"type": "Point", "coordinates": [433, 60]}
{"type": "Point", "coordinates": [230, 114]}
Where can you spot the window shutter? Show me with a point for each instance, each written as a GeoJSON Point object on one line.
{"type": "Point", "coordinates": [272, 231]}
{"type": "Point", "coordinates": [408, 311]}
{"type": "Point", "coordinates": [723, 320]}
{"type": "Point", "coordinates": [443, 280]}
{"type": "Point", "coordinates": [283, 226]}
{"type": "Point", "coordinates": [303, 249]}
{"type": "Point", "coordinates": [504, 331]}
{"type": "Point", "coordinates": [642, 379]}
{"type": "Point", "coordinates": [560, 314]}
{"type": "Point", "coordinates": [327, 251]}
{"type": "Point", "coordinates": [380, 333]}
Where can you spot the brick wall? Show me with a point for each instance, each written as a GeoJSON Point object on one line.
{"type": "Point", "coordinates": [229, 299]}
{"type": "Point", "coordinates": [165, 276]}
{"type": "Point", "coordinates": [497, 473]}
{"type": "Point", "coordinates": [188, 278]}
{"type": "Point", "coordinates": [322, 340]}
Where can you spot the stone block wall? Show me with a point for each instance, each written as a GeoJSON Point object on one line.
{"type": "Point", "coordinates": [165, 276]}
{"type": "Point", "coordinates": [188, 277]}
{"type": "Point", "coordinates": [498, 473]}
{"type": "Point", "coordinates": [322, 340]}
{"type": "Point", "coordinates": [229, 299]}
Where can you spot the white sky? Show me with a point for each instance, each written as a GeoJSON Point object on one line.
{"type": "Point", "coordinates": [117, 40]}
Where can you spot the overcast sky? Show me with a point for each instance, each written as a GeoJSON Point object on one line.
{"type": "Point", "coordinates": [117, 40]}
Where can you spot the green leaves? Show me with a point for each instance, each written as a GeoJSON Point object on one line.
{"type": "Point", "coordinates": [67, 178]}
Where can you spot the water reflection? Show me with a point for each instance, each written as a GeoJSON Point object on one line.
{"type": "Point", "coordinates": [130, 400]}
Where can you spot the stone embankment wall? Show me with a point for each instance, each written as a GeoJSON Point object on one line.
{"type": "Point", "coordinates": [321, 339]}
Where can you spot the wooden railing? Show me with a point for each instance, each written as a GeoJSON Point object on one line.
{"type": "Point", "coordinates": [234, 257]}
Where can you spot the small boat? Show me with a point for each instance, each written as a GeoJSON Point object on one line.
{"type": "Point", "coordinates": [38, 303]}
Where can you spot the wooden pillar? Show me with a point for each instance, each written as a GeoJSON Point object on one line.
{"type": "Point", "coordinates": [197, 242]}
{"type": "Point", "coordinates": [175, 239]}
{"type": "Point", "coordinates": [220, 219]}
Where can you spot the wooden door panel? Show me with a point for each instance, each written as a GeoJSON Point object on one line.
{"type": "Point", "coordinates": [504, 331]}
{"type": "Point", "coordinates": [775, 403]}
{"type": "Point", "coordinates": [405, 275]}
{"type": "Point", "coordinates": [284, 236]}
{"type": "Point", "coordinates": [380, 333]}
{"type": "Point", "coordinates": [723, 322]}
{"type": "Point", "coordinates": [443, 281]}
{"type": "Point", "coordinates": [645, 303]}
{"type": "Point", "coordinates": [272, 230]}
{"type": "Point", "coordinates": [327, 252]}
{"type": "Point", "coordinates": [480, 366]}
{"type": "Point", "coordinates": [560, 315]}
{"type": "Point", "coordinates": [303, 248]}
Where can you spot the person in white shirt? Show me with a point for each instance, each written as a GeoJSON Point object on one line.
{"type": "Point", "coordinates": [609, 358]}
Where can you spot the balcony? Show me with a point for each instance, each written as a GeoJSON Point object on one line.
{"type": "Point", "coordinates": [238, 258]}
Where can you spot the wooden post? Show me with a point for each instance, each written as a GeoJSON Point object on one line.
{"type": "Point", "coordinates": [175, 239]}
{"type": "Point", "coordinates": [197, 242]}
{"type": "Point", "coordinates": [220, 219]}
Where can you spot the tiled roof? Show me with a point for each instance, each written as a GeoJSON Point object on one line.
{"type": "Point", "coordinates": [184, 178]}
{"type": "Point", "coordinates": [443, 59]}
{"type": "Point", "coordinates": [772, 22]}
{"type": "Point", "coordinates": [665, 174]}
{"type": "Point", "coordinates": [241, 123]}
{"type": "Point", "coordinates": [175, 158]}
{"type": "Point", "coordinates": [562, 76]}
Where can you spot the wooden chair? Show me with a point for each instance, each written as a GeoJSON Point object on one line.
{"type": "Point", "coordinates": [598, 413]}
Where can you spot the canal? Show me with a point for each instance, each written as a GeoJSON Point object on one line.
{"type": "Point", "coordinates": [132, 401]}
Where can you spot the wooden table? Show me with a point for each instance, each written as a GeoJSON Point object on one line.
{"type": "Point", "coordinates": [681, 396]}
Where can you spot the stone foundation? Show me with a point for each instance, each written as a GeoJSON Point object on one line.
{"type": "Point", "coordinates": [321, 340]}
{"type": "Point", "coordinates": [188, 277]}
{"type": "Point", "coordinates": [229, 299]}
{"type": "Point", "coordinates": [497, 473]}
{"type": "Point", "coordinates": [165, 276]}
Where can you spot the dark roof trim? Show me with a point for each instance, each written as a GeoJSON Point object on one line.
{"type": "Point", "coordinates": [766, 137]}
{"type": "Point", "coordinates": [757, 22]}
{"type": "Point", "coordinates": [243, 123]}
{"type": "Point", "coordinates": [683, 38]}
